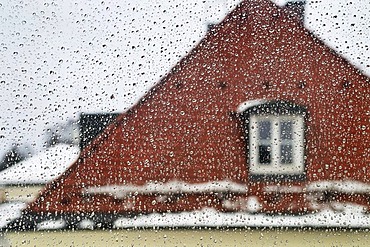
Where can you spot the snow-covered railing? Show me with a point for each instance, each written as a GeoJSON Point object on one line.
{"type": "Point", "coordinates": [121, 191]}
{"type": "Point", "coordinates": [284, 189]}
{"type": "Point", "coordinates": [344, 186]}
{"type": "Point", "coordinates": [341, 186]}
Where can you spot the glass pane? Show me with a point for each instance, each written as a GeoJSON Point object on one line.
{"type": "Point", "coordinates": [264, 152]}
{"type": "Point", "coordinates": [264, 130]}
{"type": "Point", "coordinates": [286, 154]}
{"type": "Point", "coordinates": [286, 130]}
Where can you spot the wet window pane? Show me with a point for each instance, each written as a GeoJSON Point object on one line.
{"type": "Point", "coordinates": [286, 130]}
{"type": "Point", "coordinates": [264, 154]}
{"type": "Point", "coordinates": [184, 123]}
{"type": "Point", "coordinates": [286, 154]}
{"type": "Point", "coordinates": [264, 128]}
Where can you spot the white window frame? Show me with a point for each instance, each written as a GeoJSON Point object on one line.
{"type": "Point", "coordinates": [276, 166]}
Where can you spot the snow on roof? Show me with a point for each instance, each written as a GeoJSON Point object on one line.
{"type": "Point", "coordinates": [121, 191]}
{"type": "Point", "coordinates": [10, 212]}
{"type": "Point", "coordinates": [41, 168]}
{"type": "Point", "coordinates": [250, 103]}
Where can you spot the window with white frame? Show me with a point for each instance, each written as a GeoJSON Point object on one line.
{"type": "Point", "coordinates": [276, 144]}
{"type": "Point", "coordinates": [274, 132]}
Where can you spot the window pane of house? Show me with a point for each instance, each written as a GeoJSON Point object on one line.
{"type": "Point", "coordinates": [264, 154]}
{"type": "Point", "coordinates": [264, 130]}
{"type": "Point", "coordinates": [286, 154]}
{"type": "Point", "coordinates": [286, 130]}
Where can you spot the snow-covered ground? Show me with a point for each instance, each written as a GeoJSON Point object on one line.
{"type": "Point", "coordinates": [351, 216]}
{"type": "Point", "coordinates": [42, 168]}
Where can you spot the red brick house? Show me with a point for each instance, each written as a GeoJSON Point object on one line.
{"type": "Point", "coordinates": [261, 116]}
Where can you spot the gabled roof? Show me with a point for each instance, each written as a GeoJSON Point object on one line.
{"type": "Point", "coordinates": [186, 129]}
{"type": "Point", "coordinates": [249, 19]}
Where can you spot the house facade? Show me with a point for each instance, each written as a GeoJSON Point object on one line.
{"type": "Point", "coordinates": [261, 116]}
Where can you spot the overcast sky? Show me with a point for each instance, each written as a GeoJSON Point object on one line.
{"type": "Point", "coordinates": [60, 59]}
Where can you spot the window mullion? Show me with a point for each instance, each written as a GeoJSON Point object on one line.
{"type": "Point", "coordinates": [275, 142]}
{"type": "Point", "coordinates": [255, 141]}
{"type": "Point", "coordinates": [297, 142]}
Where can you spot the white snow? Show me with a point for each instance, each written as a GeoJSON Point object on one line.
{"type": "Point", "coordinates": [51, 224]}
{"type": "Point", "coordinates": [351, 216]}
{"type": "Point", "coordinates": [284, 189]}
{"type": "Point", "coordinates": [342, 215]}
{"type": "Point", "coordinates": [253, 204]}
{"type": "Point", "coordinates": [10, 212]}
{"type": "Point", "coordinates": [250, 103]}
{"type": "Point", "coordinates": [120, 191]}
{"type": "Point", "coordinates": [86, 224]}
{"type": "Point", "coordinates": [41, 168]}
{"type": "Point", "coordinates": [345, 186]}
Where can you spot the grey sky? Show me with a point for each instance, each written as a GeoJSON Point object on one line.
{"type": "Point", "coordinates": [57, 60]}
